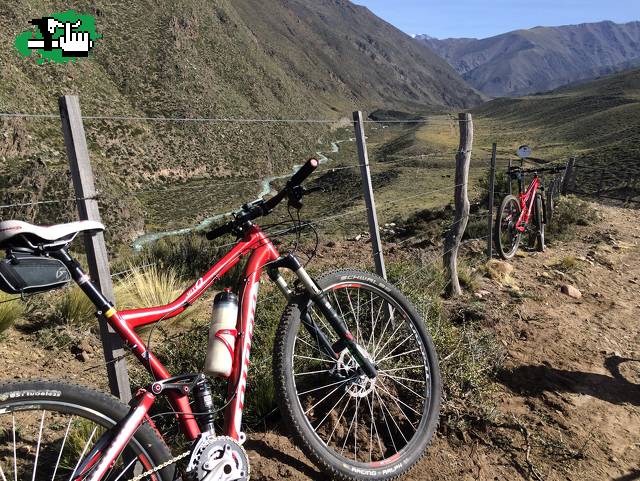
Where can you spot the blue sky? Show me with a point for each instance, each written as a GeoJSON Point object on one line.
{"type": "Point", "coordinates": [485, 18]}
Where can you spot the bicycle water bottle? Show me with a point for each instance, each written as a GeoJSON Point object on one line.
{"type": "Point", "coordinates": [222, 334]}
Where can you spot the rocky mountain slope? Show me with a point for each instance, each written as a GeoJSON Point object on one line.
{"type": "Point", "coordinates": [542, 58]}
{"type": "Point", "coordinates": [196, 58]}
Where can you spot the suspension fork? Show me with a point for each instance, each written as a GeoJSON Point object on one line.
{"type": "Point", "coordinates": [319, 298]}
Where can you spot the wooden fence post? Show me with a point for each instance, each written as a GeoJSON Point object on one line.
{"type": "Point", "coordinates": [631, 188]}
{"type": "Point", "coordinates": [96, 250]}
{"type": "Point", "coordinates": [367, 187]}
{"type": "Point", "coordinates": [454, 236]}
{"type": "Point", "coordinates": [568, 174]}
{"type": "Point", "coordinates": [600, 183]}
{"type": "Point", "coordinates": [492, 184]}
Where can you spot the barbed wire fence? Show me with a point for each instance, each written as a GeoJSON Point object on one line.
{"type": "Point", "coordinates": [87, 198]}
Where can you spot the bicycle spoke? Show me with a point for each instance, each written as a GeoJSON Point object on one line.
{"type": "Point", "coordinates": [335, 296]}
{"type": "Point", "coordinates": [330, 411]}
{"type": "Point", "coordinates": [401, 368]}
{"type": "Point", "coordinates": [328, 330]}
{"type": "Point", "coordinates": [310, 372]}
{"type": "Point", "coordinates": [393, 419]}
{"type": "Point", "coordinates": [353, 311]}
{"type": "Point", "coordinates": [346, 438]}
{"type": "Point", "coordinates": [315, 347]}
{"type": "Point", "coordinates": [321, 387]}
{"type": "Point", "coordinates": [64, 440]}
{"type": "Point", "coordinates": [405, 386]}
{"type": "Point", "coordinates": [378, 350]}
{"type": "Point", "coordinates": [375, 346]}
{"type": "Point", "coordinates": [398, 355]}
{"type": "Point", "coordinates": [321, 400]}
{"type": "Point", "coordinates": [371, 428]}
{"type": "Point", "coordinates": [84, 451]}
{"type": "Point", "coordinates": [410, 336]}
{"type": "Point", "coordinates": [126, 469]}
{"type": "Point", "coordinates": [355, 432]}
{"type": "Point", "coordinates": [338, 420]}
{"type": "Point", "coordinates": [15, 455]}
{"type": "Point", "coordinates": [397, 400]}
{"type": "Point", "coordinates": [372, 337]}
{"type": "Point", "coordinates": [311, 358]}
{"type": "Point", "coordinates": [403, 378]}
{"type": "Point", "coordinates": [35, 462]}
{"type": "Point", "coordinates": [4, 478]}
{"type": "Point", "coordinates": [384, 416]}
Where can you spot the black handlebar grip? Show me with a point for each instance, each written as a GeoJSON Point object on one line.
{"type": "Point", "coordinates": [305, 171]}
{"type": "Point", "coordinates": [220, 231]}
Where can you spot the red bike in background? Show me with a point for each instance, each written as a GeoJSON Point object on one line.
{"type": "Point", "coordinates": [526, 213]}
{"type": "Point", "coordinates": [356, 373]}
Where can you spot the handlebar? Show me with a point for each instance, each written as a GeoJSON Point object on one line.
{"type": "Point", "coordinates": [520, 170]}
{"type": "Point", "coordinates": [263, 207]}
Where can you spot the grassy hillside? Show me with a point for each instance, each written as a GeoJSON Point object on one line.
{"type": "Point", "coordinates": [197, 58]}
{"type": "Point", "coordinates": [599, 122]}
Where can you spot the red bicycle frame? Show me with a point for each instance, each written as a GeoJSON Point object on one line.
{"type": "Point", "coordinates": [261, 251]}
{"type": "Point", "coordinates": [527, 200]}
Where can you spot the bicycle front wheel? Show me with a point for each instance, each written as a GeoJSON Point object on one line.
{"type": "Point", "coordinates": [506, 236]}
{"type": "Point", "coordinates": [49, 427]}
{"type": "Point", "coordinates": [351, 426]}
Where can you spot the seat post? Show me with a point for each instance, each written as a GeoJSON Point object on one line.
{"type": "Point", "coordinates": [83, 280]}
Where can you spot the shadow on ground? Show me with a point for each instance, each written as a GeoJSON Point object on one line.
{"type": "Point", "coordinates": [632, 476]}
{"type": "Point", "coordinates": [270, 452]}
{"type": "Point", "coordinates": [616, 389]}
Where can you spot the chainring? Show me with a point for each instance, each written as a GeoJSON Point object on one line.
{"type": "Point", "coordinates": [219, 458]}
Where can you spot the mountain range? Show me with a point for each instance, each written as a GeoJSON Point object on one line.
{"type": "Point", "coordinates": [540, 59]}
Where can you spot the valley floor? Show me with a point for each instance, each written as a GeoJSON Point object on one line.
{"type": "Point", "coordinates": [567, 399]}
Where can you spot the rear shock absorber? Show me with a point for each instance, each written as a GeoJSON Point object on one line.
{"type": "Point", "coordinates": [204, 406]}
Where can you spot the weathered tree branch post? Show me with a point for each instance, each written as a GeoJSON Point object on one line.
{"type": "Point", "coordinates": [567, 176]}
{"type": "Point", "coordinates": [96, 250]}
{"type": "Point", "coordinates": [454, 236]}
{"type": "Point", "coordinates": [492, 186]}
{"type": "Point", "coordinates": [631, 188]}
{"type": "Point", "coordinates": [367, 188]}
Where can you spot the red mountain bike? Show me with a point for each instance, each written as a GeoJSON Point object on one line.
{"type": "Point", "coordinates": [355, 369]}
{"type": "Point", "coordinates": [527, 213]}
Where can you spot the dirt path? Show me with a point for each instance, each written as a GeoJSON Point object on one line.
{"type": "Point", "coordinates": [568, 399]}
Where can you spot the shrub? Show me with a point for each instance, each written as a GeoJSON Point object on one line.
{"type": "Point", "coordinates": [151, 286]}
{"type": "Point", "coordinates": [74, 307]}
{"type": "Point", "coordinates": [9, 311]}
{"type": "Point", "coordinates": [469, 355]}
{"type": "Point", "coordinates": [571, 211]}
{"type": "Point", "coordinates": [188, 256]}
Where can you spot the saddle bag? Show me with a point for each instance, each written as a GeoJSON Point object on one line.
{"type": "Point", "coordinates": [25, 273]}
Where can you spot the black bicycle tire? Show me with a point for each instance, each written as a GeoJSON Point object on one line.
{"type": "Point", "coordinates": [538, 216]}
{"type": "Point", "coordinates": [550, 204]}
{"type": "Point", "coordinates": [497, 240]}
{"type": "Point", "coordinates": [310, 444]}
{"type": "Point", "coordinates": [70, 396]}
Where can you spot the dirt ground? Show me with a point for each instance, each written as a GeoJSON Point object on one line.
{"type": "Point", "coordinates": [567, 400]}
